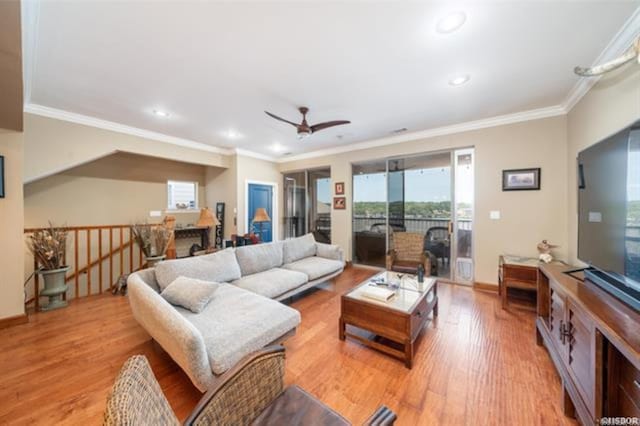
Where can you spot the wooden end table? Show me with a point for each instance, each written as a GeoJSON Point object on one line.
{"type": "Point", "coordinates": [395, 324]}
{"type": "Point", "coordinates": [521, 273]}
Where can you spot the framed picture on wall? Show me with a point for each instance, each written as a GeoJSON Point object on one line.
{"type": "Point", "coordinates": [1, 176]}
{"type": "Point", "coordinates": [339, 203]}
{"type": "Point", "coordinates": [521, 179]}
{"type": "Point", "coordinates": [339, 188]}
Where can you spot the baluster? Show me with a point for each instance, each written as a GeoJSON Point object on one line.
{"type": "Point", "coordinates": [130, 250]}
{"type": "Point", "coordinates": [110, 257]}
{"type": "Point", "coordinates": [99, 260]}
{"type": "Point", "coordinates": [121, 251]}
{"type": "Point", "coordinates": [76, 261]}
{"type": "Point", "coordinates": [88, 269]}
{"type": "Point", "coordinates": [36, 284]}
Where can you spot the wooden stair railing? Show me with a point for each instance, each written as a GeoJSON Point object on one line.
{"type": "Point", "coordinates": [118, 256]}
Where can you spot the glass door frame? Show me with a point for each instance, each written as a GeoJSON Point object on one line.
{"type": "Point", "coordinates": [453, 218]}
{"type": "Point", "coordinates": [307, 201]}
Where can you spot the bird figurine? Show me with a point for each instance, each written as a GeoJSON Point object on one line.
{"type": "Point", "coordinates": [544, 248]}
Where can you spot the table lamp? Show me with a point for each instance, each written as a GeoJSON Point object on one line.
{"type": "Point", "coordinates": [207, 218]}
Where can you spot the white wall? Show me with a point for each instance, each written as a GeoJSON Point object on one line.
{"type": "Point", "coordinates": [611, 105]}
{"type": "Point", "coordinates": [527, 216]}
{"type": "Point", "coordinates": [11, 226]}
{"type": "Point", "coordinates": [53, 146]}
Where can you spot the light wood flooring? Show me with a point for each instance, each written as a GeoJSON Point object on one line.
{"type": "Point", "coordinates": [476, 364]}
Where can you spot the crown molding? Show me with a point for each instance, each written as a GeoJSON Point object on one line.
{"type": "Point", "coordinates": [86, 120]}
{"type": "Point", "coordinates": [623, 39]}
{"type": "Point", "coordinates": [252, 154]}
{"type": "Point", "coordinates": [500, 120]}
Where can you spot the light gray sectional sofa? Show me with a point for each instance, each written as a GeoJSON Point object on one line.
{"type": "Point", "coordinates": [244, 314]}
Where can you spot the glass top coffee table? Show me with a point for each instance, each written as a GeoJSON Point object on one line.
{"type": "Point", "coordinates": [393, 326]}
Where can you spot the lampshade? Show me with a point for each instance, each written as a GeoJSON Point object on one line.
{"type": "Point", "coordinates": [261, 215]}
{"type": "Point", "coordinates": [207, 218]}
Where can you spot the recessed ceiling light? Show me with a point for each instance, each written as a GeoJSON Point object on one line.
{"type": "Point", "coordinates": [232, 134]}
{"type": "Point", "coordinates": [451, 22]}
{"type": "Point", "coordinates": [459, 80]}
{"type": "Point", "coordinates": [276, 147]}
{"type": "Point", "coordinates": [160, 113]}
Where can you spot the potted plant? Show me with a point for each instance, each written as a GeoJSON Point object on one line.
{"type": "Point", "coordinates": [48, 247]}
{"type": "Point", "coordinates": [153, 240]}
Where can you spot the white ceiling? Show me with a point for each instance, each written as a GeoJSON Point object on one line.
{"type": "Point", "coordinates": [217, 66]}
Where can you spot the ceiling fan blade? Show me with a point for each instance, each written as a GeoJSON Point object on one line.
{"type": "Point", "coordinates": [328, 124]}
{"type": "Point", "coordinates": [281, 119]}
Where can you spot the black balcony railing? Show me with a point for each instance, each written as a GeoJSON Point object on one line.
{"type": "Point", "coordinates": [419, 225]}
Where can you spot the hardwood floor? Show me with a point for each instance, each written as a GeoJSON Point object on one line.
{"type": "Point", "coordinates": [475, 364]}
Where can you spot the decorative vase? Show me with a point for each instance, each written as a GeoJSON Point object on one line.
{"type": "Point", "coordinates": [54, 287]}
{"type": "Point", "coordinates": [153, 260]}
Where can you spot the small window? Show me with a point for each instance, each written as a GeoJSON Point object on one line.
{"type": "Point", "coordinates": [182, 195]}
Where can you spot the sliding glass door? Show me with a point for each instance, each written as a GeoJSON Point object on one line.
{"type": "Point", "coordinates": [430, 195]}
{"type": "Point", "coordinates": [307, 204]}
{"type": "Point", "coordinates": [370, 213]}
{"type": "Point", "coordinates": [295, 196]}
{"type": "Point", "coordinates": [463, 216]}
{"type": "Point", "coordinates": [420, 202]}
{"type": "Point", "coordinates": [320, 204]}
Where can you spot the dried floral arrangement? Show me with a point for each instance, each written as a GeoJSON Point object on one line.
{"type": "Point", "coordinates": [49, 247]}
{"type": "Point", "coordinates": [152, 239]}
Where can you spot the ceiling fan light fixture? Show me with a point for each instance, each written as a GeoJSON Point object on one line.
{"type": "Point", "coordinates": [452, 22]}
{"type": "Point", "coordinates": [303, 134]}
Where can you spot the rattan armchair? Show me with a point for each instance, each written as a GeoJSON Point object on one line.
{"type": "Point", "coordinates": [407, 253]}
{"type": "Point", "coordinates": [252, 393]}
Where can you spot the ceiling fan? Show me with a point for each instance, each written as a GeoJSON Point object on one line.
{"type": "Point", "coordinates": [632, 54]}
{"type": "Point", "coordinates": [304, 129]}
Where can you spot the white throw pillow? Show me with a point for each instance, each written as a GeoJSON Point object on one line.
{"type": "Point", "coordinates": [190, 293]}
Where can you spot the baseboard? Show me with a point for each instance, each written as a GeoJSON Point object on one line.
{"type": "Point", "coordinates": [15, 320]}
{"type": "Point", "coordinates": [485, 287]}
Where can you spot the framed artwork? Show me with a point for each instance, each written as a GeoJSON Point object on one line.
{"type": "Point", "coordinates": [339, 203]}
{"type": "Point", "coordinates": [339, 188]}
{"type": "Point", "coordinates": [1, 176]}
{"type": "Point", "coordinates": [521, 179]}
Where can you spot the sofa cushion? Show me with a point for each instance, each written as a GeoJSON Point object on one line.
{"type": "Point", "coordinates": [238, 322]}
{"type": "Point", "coordinates": [299, 248]}
{"type": "Point", "coordinates": [190, 293]}
{"type": "Point", "coordinates": [272, 283]}
{"type": "Point", "coordinates": [315, 267]}
{"type": "Point", "coordinates": [259, 257]}
{"type": "Point", "coordinates": [220, 267]}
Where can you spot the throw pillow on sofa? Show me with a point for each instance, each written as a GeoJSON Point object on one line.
{"type": "Point", "coordinates": [299, 248]}
{"type": "Point", "coordinates": [218, 267]}
{"type": "Point", "coordinates": [259, 258]}
{"type": "Point", "coordinates": [190, 293]}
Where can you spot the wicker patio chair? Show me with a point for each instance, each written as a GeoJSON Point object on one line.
{"type": "Point", "coordinates": [252, 393]}
{"type": "Point", "coordinates": [407, 253]}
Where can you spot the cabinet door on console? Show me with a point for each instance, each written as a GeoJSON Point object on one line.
{"type": "Point", "coordinates": [585, 357]}
{"type": "Point", "coordinates": [557, 313]}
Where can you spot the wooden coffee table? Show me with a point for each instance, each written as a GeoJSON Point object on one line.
{"type": "Point", "coordinates": [390, 327]}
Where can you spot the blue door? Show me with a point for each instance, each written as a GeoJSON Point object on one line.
{"type": "Point", "coordinates": [261, 196]}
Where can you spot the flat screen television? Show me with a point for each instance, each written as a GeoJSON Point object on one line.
{"type": "Point", "coordinates": [609, 214]}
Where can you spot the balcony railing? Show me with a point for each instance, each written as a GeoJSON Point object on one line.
{"type": "Point", "coordinates": [419, 225]}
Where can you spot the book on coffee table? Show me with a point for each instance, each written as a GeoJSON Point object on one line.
{"type": "Point", "coordinates": [377, 293]}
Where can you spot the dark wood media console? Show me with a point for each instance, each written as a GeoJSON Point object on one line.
{"type": "Point", "coordinates": [594, 342]}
